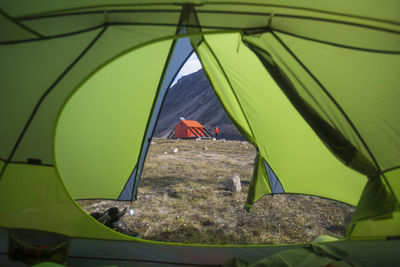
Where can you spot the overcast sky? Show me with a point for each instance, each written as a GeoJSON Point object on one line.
{"type": "Point", "coordinates": [191, 65]}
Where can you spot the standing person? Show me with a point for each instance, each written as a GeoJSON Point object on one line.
{"type": "Point", "coordinates": [216, 132]}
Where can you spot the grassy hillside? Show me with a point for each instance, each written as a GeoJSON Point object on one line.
{"type": "Point", "coordinates": [182, 199]}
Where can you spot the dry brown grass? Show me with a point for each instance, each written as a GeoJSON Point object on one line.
{"type": "Point", "coordinates": [181, 199]}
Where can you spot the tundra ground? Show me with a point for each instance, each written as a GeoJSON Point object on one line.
{"type": "Point", "coordinates": [182, 199]}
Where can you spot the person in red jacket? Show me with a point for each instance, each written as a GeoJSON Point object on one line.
{"type": "Point", "coordinates": [216, 132]}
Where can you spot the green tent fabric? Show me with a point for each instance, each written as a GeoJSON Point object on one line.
{"type": "Point", "coordinates": [314, 86]}
{"type": "Point", "coordinates": [314, 255]}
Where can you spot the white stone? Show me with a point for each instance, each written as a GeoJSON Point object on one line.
{"type": "Point", "coordinates": [175, 150]}
{"type": "Point", "coordinates": [233, 183]}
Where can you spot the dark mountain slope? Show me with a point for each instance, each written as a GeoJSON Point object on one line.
{"type": "Point", "coordinates": [193, 98]}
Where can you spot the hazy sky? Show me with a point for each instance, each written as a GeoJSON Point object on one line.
{"type": "Point", "coordinates": [191, 65]}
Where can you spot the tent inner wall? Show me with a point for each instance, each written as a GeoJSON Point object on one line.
{"type": "Point", "coordinates": [101, 128]}
{"type": "Point", "coordinates": [299, 159]}
{"type": "Point", "coordinates": [34, 197]}
{"type": "Point", "coordinates": [20, 95]}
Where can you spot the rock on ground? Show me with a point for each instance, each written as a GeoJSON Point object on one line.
{"type": "Point", "coordinates": [233, 183]}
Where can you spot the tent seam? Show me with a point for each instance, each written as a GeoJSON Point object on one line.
{"type": "Point", "coordinates": [337, 44]}
{"type": "Point", "coordinates": [267, 14]}
{"type": "Point", "coordinates": [307, 9]}
{"type": "Point", "coordinates": [330, 97]}
{"type": "Point", "coordinates": [44, 96]}
{"type": "Point", "coordinates": [44, 38]}
{"type": "Point", "coordinates": [391, 169]}
{"type": "Point", "coordinates": [232, 90]}
{"type": "Point", "coordinates": [216, 3]}
{"type": "Point", "coordinates": [18, 23]}
{"type": "Point", "coordinates": [235, 29]}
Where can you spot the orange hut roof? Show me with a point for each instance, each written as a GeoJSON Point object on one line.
{"type": "Point", "coordinates": [192, 123]}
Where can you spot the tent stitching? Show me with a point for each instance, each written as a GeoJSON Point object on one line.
{"type": "Point", "coordinates": [267, 14]}
{"type": "Point", "coordinates": [211, 4]}
{"type": "Point", "coordinates": [43, 97]}
{"type": "Point", "coordinates": [15, 21]}
{"type": "Point", "coordinates": [339, 45]}
{"type": "Point", "coordinates": [236, 29]}
{"type": "Point", "coordinates": [391, 169]}
{"type": "Point", "coordinates": [230, 86]}
{"type": "Point", "coordinates": [330, 97]}
{"type": "Point", "coordinates": [305, 9]}
{"type": "Point", "coordinates": [54, 36]}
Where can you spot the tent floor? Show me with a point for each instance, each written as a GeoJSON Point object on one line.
{"type": "Point", "coordinates": [91, 252]}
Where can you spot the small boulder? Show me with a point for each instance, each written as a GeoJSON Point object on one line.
{"type": "Point", "coordinates": [153, 143]}
{"type": "Point", "coordinates": [233, 183]}
{"type": "Point", "coordinates": [205, 148]}
{"type": "Point", "coordinates": [175, 150]}
{"type": "Point", "coordinates": [348, 216]}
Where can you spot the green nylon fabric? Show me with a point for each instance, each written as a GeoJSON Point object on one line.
{"type": "Point", "coordinates": [372, 83]}
{"type": "Point", "coordinates": [38, 140]}
{"type": "Point", "coordinates": [335, 141]}
{"type": "Point", "coordinates": [370, 9]}
{"type": "Point", "coordinates": [12, 31]}
{"type": "Point", "coordinates": [227, 96]}
{"type": "Point", "coordinates": [377, 228]}
{"type": "Point", "coordinates": [42, 62]}
{"type": "Point", "coordinates": [307, 95]}
{"type": "Point", "coordinates": [46, 205]}
{"type": "Point", "coordinates": [377, 214]}
{"type": "Point", "coordinates": [259, 185]}
{"type": "Point", "coordinates": [331, 65]}
{"type": "Point", "coordinates": [300, 160]}
{"type": "Point", "coordinates": [393, 178]}
{"type": "Point", "coordinates": [101, 128]}
{"type": "Point", "coordinates": [315, 255]}
{"type": "Point", "coordinates": [1, 165]}
{"type": "Point", "coordinates": [57, 25]}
